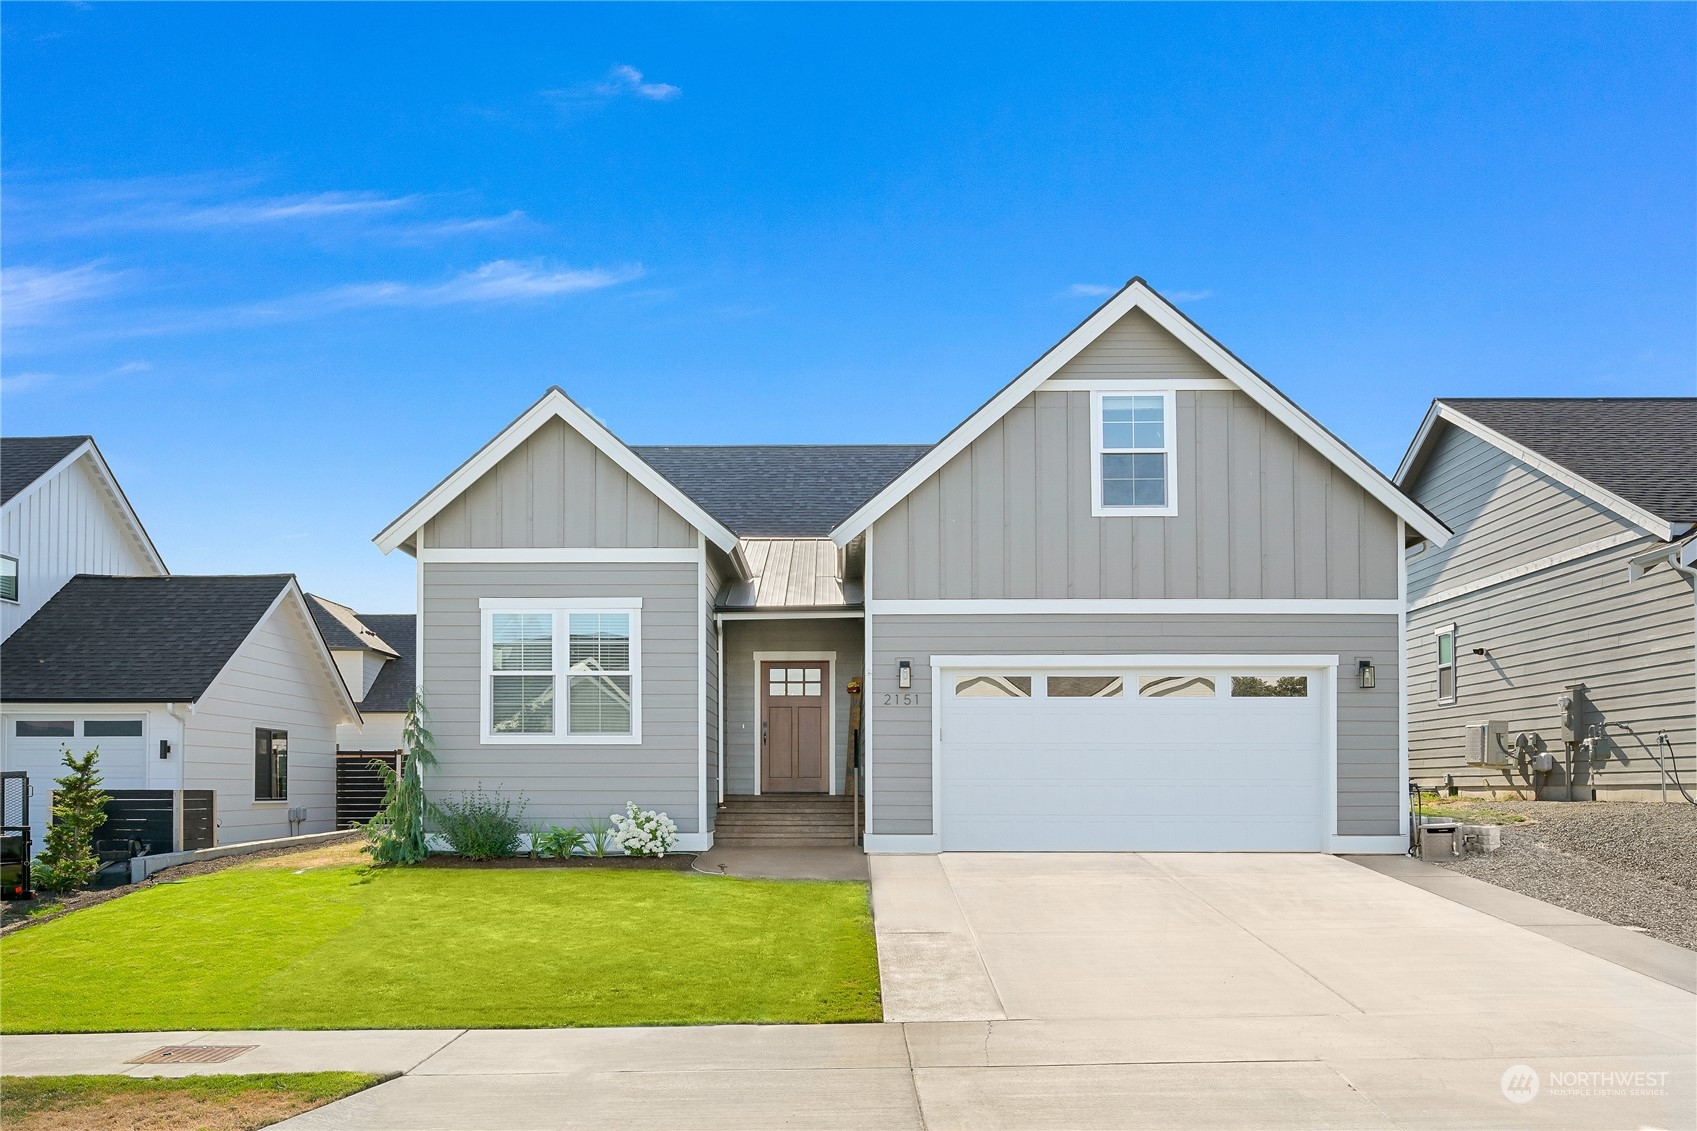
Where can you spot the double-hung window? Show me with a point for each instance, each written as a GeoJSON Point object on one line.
{"type": "Point", "coordinates": [566, 670]}
{"type": "Point", "coordinates": [270, 764]}
{"type": "Point", "coordinates": [1445, 644]}
{"type": "Point", "coordinates": [1134, 452]}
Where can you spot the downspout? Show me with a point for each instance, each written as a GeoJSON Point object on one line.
{"type": "Point", "coordinates": [719, 640]}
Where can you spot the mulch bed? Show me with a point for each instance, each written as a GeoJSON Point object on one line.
{"type": "Point", "coordinates": [672, 862]}
{"type": "Point", "coordinates": [15, 914]}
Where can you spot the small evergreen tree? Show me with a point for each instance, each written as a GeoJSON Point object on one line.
{"type": "Point", "coordinates": [397, 833]}
{"type": "Point", "coordinates": [79, 807]}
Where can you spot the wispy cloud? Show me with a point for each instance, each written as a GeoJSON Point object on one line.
{"type": "Point", "coordinates": [17, 383]}
{"type": "Point", "coordinates": [622, 81]}
{"type": "Point", "coordinates": [501, 281]}
{"type": "Point", "coordinates": [1188, 296]}
{"type": "Point", "coordinates": [33, 295]}
{"type": "Point", "coordinates": [1088, 290]}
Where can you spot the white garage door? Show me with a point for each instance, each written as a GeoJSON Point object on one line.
{"type": "Point", "coordinates": [1169, 758]}
{"type": "Point", "coordinates": [34, 744]}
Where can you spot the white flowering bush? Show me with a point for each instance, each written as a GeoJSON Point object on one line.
{"type": "Point", "coordinates": [643, 832]}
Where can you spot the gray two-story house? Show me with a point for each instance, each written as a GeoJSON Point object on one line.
{"type": "Point", "coordinates": [1553, 641]}
{"type": "Point", "coordinates": [1137, 600]}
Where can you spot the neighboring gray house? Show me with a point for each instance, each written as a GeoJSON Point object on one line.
{"type": "Point", "coordinates": [1138, 600]}
{"type": "Point", "coordinates": [1571, 568]}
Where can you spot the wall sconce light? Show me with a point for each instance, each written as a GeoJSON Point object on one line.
{"type": "Point", "coordinates": [1365, 676]}
{"type": "Point", "coordinates": [904, 673]}
{"type": "Point", "coordinates": [164, 749]}
{"type": "Point", "coordinates": [1485, 652]}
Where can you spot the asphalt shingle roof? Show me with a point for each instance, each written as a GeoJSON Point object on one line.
{"type": "Point", "coordinates": [133, 639]}
{"type": "Point", "coordinates": [24, 459]}
{"type": "Point", "coordinates": [1643, 449]}
{"type": "Point", "coordinates": [343, 628]}
{"type": "Point", "coordinates": [784, 491]}
{"type": "Point", "coordinates": [394, 684]}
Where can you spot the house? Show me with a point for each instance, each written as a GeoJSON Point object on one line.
{"type": "Point", "coordinates": [1137, 600]}
{"type": "Point", "coordinates": [1552, 650]}
{"type": "Point", "coordinates": [214, 701]}
{"type": "Point", "coordinates": [374, 652]}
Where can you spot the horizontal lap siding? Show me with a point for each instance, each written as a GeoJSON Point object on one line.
{"type": "Point", "coordinates": [1369, 787]}
{"type": "Point", "coordinates": [743, 638]}
{"type": "Point", "coordinates": [1261, 515]}
{"type": "Point", "coordinates": [274, 680]}
{"type": "Point", "coordinates": [714, 726]}
{"type": "Point", "coordinates": [1630, 643]}
{"type": "Point", "coordinates": [569, 783]}
{"type": "Point", "coordinates": [557, 490]}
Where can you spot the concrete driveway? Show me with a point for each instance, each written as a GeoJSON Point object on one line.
{"type": "Point", "coordinates": [1121, 990]}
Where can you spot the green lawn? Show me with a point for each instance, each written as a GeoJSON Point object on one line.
{"type": "Point", "coordinates": [344, 946]}
{"type": "Point", "coordinates": [241, 1102]}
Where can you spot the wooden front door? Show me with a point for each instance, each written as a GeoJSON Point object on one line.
{"type": "Point", "coordinates": [795, 743]}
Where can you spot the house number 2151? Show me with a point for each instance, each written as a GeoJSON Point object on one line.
{"type": "Point", "coordinates": [901, 698]}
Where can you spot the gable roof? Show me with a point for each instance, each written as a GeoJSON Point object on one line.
{"type": "Point", "coordinates": [394, 685]}
{"type": "Point", "coordinates": [24, 459]}
{"type": "Point", "coordinates": [1636, 456]}
{"type": "Point", "coordinates": [782, 490]}
{"type": "Point", "coordinates": [1138, 295]}
{"type": "Point", "coordinates": [553, 403]}
{"type": "Point", "coordinates": [343, 629]}
{"type": "Point", "coordinates": [143, 639]}
{"type": "Point", "coordinates": [27, 460]}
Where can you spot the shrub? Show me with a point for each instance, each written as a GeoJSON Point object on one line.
{"type": "Point", "coordinates": [597, 838]}
{"type": "Point", "coordinates": [79, 807]}
{"type": "Point", "coordinates": [558, 842]}
{"type": "Point", "coordinates": [396, 834]}
{"type": "Point", "coordinates": [480, 825]}
{"type": "Point", "coordinates": [643, 832]}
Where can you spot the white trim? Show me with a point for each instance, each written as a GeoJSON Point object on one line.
{"type": "Point", "coordinates": [554, 403]}
{"type": "Point", "coordinates": [418, 633]}
{"type": "Point", "coordinates": [1369, 845]}
{"type": "Point", "coordinates": [548, 604]}
{"type": "Point", "coordinates": [1160, 605]}
{"type": "Point", "coordinates": [1532, 567]}
{"type": "Point", "coordinates": [866, 658]}
{"type": "Point", "coordinates": [1324, 666]}
{"type": "Point", "coordinates": [703, 600]}
{"type": "Point", "coordinates": [107, 483]}
{"type": "Point", "coordinates": [1415, 458]}
{"type": "Point", "coordinates": [1454, 665]}
{"type": "Point", "coordinates": [1169, 434]}
{"type": "Point", "coordinates": [791, 614]}
{"type": "Point", "coordinates": [806, 656]}
{"type": "Point", "coordinates": [693, 842]}
{"type": "Point", "coordinates": [719, 639]}
{"type": "Point", "coordinates": [1087, 384]}
{"type": "Point", "coordinates": [1402, 683]}
{"type": "Point", "coordinates": [1137, 295]}
{"type": "Point", "coordinates": [560, 608]}
{"type": "Point", "coordinates": [877, 844]}
{"type": "Point", "coordinates": [571, 555]}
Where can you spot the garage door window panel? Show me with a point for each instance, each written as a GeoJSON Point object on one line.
{"type": "Point", "coordinates": [980, 686]}
{"type": "Point", "coordinates": [1176, 686]}
{"type": "Point", "coordinates": [1085, 687]}
{"type": "Point", "coordinates": [1269, 687]}
{"type": "Point", "coordinates": [54, 729]}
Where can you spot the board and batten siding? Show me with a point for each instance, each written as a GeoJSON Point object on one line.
{"type": "Point", "coordinates": [1261, 515]}
{"type": "Point", "coordinates": [275, 679]}
{"type": "Point", "coordinates": [1632, 644]}
{"type": "Point", "coordinates": [1370, 792]}
{"type": "Point", "coordinates": [556, 489]}
{"type": "Point", "coordinates": [1504, 513]}
{"type": "Point", "coordinates": [743, 638]}
{"type": "Point", "coordinates": [58, 528]}
{"type": "Point", "coordinates": [569, 783]}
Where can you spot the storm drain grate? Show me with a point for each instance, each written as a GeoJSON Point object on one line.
{"type": "Point", "coordinates": [192, 1054]}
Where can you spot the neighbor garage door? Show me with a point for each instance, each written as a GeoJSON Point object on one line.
{"type": "Point", "coordinates": [1177, 757]}
{"type": "Point", "coordinates": [35, 744]}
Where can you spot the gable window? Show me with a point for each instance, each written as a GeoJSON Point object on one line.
{"type": "Point", "coordinates": [8, 578]}
{"type": "Point", "coordinates": [1134, 450]}
{"type": "Point", "coordinates": [270, 764]}
{"type": "Point", "coordinates": [524, 641]}
{"type": "Point", "coordinates": [1445, 644]}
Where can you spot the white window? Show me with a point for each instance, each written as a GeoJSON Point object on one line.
{"type": "Point", "coordinates": [524, 642]}
{"type": "Point", "coordinates": [8, 578]}
{"type": "Point", "coordinates": [1445, 645]}
{"type": "Point", "coordinates": [1133, 433]}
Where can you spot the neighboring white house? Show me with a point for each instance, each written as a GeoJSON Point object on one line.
{"type": "Point", "coordinates": [374, 653]}
{"type": "Point", "coordinates": [220, 684]}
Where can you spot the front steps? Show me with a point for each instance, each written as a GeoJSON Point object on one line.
{"type": "Point", "coordinates": [785, 820]}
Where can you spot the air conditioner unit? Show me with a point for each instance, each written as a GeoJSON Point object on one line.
{"type": "Point", "coordinates": [1486, 744]}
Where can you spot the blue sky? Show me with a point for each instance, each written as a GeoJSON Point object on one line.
{"type": "Point", "coordinates": [292, 264]}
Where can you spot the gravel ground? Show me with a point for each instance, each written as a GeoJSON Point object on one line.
{"type": "Point", "coordinates": [1631, 864]}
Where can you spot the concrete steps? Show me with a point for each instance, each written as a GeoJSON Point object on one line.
{"type": "Point", "coordinates": [776, 820]}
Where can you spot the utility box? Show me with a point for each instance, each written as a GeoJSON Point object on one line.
{"type": "Point", "coordinates": [1486, 745]}
{"type": "Point", "coordinates": [1570, 704]}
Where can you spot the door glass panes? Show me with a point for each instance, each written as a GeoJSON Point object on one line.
{"type": "Point", "coordinates": [993, 687]}
{"type": "Point", "coordinates": [1176, 687]}
{"type": "Point", "coordinates": [789, 682]}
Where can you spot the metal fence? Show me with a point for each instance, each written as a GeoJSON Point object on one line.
{"type": "Point", "coordinates": [359, 785]}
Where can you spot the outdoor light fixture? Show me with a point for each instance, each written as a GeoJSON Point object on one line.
{"type": "Point", "coordinates": [1365, 676]}
{"type": "Point", "coordinates": [164, 748]}
{"type": "Point", "coordinates": [904, 674]}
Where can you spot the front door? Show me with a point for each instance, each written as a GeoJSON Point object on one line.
{"type": "Point", "coordinates": [795, 745]}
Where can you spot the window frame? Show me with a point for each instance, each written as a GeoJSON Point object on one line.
{"type": "Point", "coordinates": [17, 583]}
{"type": "Point", "coordinates": [273, 732]}
{"type": "Point", "coordinates": [1169, 433]}
{"type": "Point", "coordinates": [561, 608]}
{"type": "Point", "coordinates": [1438, 667]}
